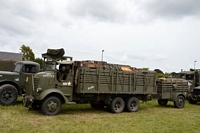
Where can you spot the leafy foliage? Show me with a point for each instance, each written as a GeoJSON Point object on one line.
{"type": "Point", "coordinates": [40, 61]}
{"type": "Point", "coordinates": [27, 53]}
{"type": "Point", "coordinates": [160, 74]}
{"type": "Point", "coordinates": [159, 71]}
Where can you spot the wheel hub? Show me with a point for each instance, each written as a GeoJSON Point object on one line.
{"type": "Point", "coordinates": [180, 101]}
{"type": "Point", "coordinates": [117, 105]}
{"type": "Point", "coordinates": [7, 95]}
{"type": "Point", "coordinates": [52, 106]}
{"type": "Point", "coordinates": [133, 105]}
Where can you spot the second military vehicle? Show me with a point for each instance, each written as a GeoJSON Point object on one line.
{"type": "Point", "coordinates": [12, 83]}
{"type": "Point", "coordinates": [118, 87]}
{"type": "Point", "coordinates": [193, 77]}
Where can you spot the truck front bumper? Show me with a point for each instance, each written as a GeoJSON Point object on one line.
{"type": "Point", "coordinates": [28, 100]}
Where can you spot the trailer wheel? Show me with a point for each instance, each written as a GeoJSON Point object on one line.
{"type": "Point", "coordinates": [180, 102]}
{"type": "Point", "coordinates": [162, 102]}
{"type": "Point", "coordinates": [132, 104]}
{"type": "Point", "coordinates": [51, 106]}
{"type": "Point", "coordinates": [8, 94]}
{"type": "Point", "coordinates": [191, 101]}
{"type": "Point", "coordinates": [117, 105]}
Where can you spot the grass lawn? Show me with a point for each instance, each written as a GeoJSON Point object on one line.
{"type": "Point", "coordinates": [81, 118]}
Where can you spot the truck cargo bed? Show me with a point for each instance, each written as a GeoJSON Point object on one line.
{"type": "Point", "coordinates": [115, 81]}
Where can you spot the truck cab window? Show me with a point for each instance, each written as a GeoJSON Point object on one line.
{"type": "Point", "coordinates": [18, 67]}
{"type": "Point", "coordinates": [29, 68]}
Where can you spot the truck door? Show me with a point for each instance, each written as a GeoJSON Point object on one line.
{"type": "Point", "coordinates": [26, 69]}
{"type": "Point", "coordinates": [67, 80]}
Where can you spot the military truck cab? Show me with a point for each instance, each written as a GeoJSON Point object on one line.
{"type": "Point", "coordinates": [193, 78]}
{"type": "Point", "coordinates": [12, 83]}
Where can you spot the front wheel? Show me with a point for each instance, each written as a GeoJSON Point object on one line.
{"type": "Point", "coordinates": [51, 106]}
{"type": "Point", "coordinates": [191, 101]}
{"type": "Point", "coordinates": [8, 94]}
{"type": "Point", "coordinates": [180, 102]}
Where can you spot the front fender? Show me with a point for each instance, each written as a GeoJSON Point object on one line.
{"type": "Point", "coordinates": [2, 82]}
{"type": "Point", "coordinates": [51, 91]}
{"type": "Point", "coordinates": [174, 97]}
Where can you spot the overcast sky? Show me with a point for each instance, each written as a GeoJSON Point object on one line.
{"type": "Point", "coordinates": [150, 34]}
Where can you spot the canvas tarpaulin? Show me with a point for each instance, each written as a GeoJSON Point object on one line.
{"type": "Point", "coordinates": [7, 65]}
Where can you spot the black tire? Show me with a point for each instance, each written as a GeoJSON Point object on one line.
{"type": "Point", "coordinates": [117, 105]}
{"type": "Point", "coordinates": [8, 94]}
{"type": "Point", "coordinates": [180, 102]}
{"type": "Point", "coordinates": [51, 106]}
{"type": "Point", "coordinates": [36, 105]}
{"type": "Point", "coordinates": [162, 102]}
{"type": "Point", "coordinates": [191, 101]}
{"type": "Point", "coordinates": [132, 104]}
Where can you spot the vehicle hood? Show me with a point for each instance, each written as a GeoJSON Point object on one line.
{"type": "Point", "coordinates": [8, 73]}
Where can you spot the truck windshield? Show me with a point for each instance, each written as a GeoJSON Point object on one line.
{"type": "Point", "coordinates": [50, 66]}
{"type": "Point", "coordinates": [18, 67]}
{"type": "Point", "coordinates": [187, 76]}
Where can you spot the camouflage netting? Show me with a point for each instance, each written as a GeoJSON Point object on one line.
{"type": "Point", "coordinates": [56, 53]}
{"type": "Point", "coordinates": [7, 65]}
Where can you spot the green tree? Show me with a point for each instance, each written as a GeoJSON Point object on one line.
{"type": "Point", "coordinates": [159, 71]}
{"type": "Point", "coordinates": [27, 53]}
{"type": "Point", "coordinates": [41, 62]}
{"type": "Point", "coordinates": [145, 68]}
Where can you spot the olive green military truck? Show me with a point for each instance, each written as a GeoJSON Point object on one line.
{"type": "Point", "coordinates": [12, 83]}
{"type": "Point", "coordinates": [193, 77]}
{"type": "Point", "coordinates": [117, 87]}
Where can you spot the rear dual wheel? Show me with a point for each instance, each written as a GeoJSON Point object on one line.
{"type": "Point", "coordinates": [118, 105]}
{"type": "Point", "coordinates": [132, 104]}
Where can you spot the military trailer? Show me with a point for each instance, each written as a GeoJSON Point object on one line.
{"type": "Point", "coordinates": [171, 89]}
{"type": "Point", "coordinates": [117, 87]}
{"type": "Point", "coordinates": [12, 83]}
